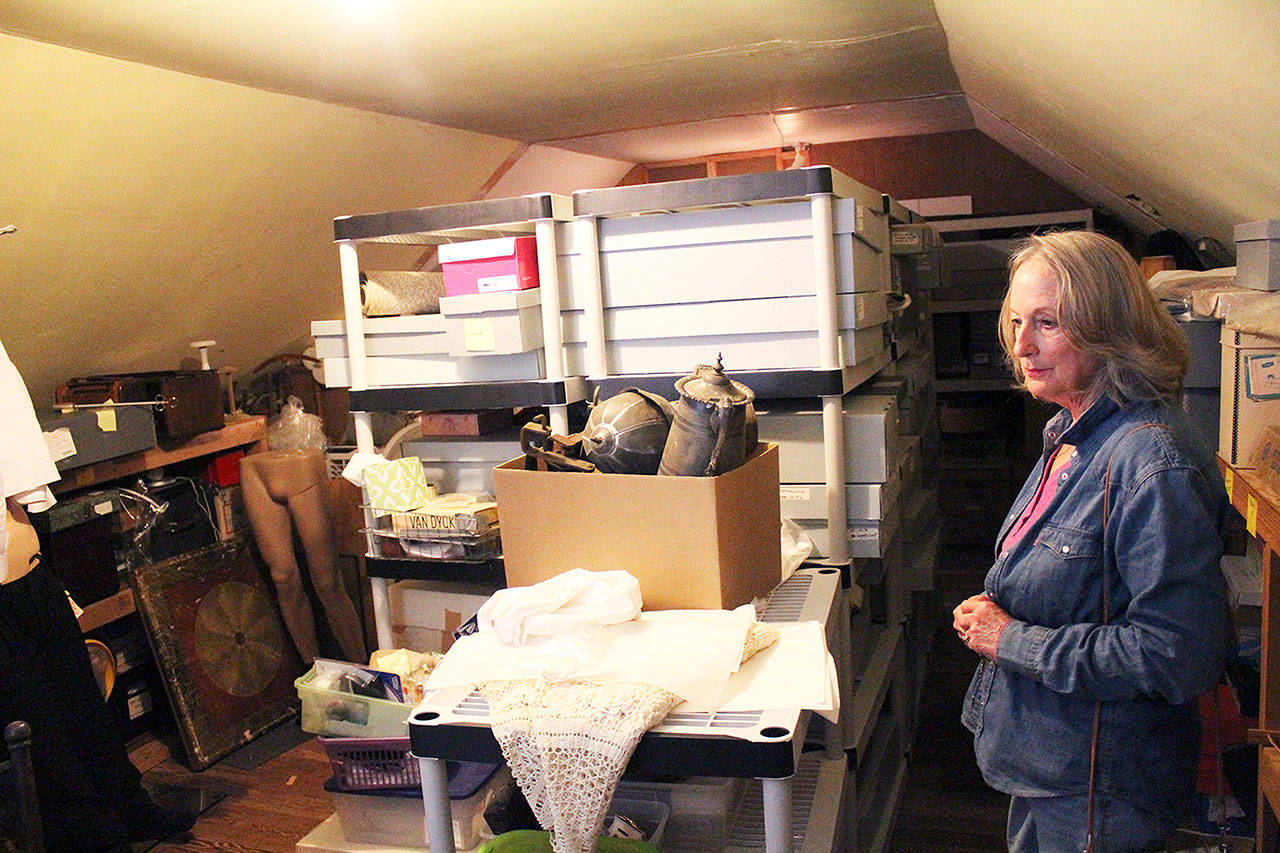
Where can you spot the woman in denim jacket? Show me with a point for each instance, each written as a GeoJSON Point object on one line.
{"type": "Point", "coordinates": [1105, 609]}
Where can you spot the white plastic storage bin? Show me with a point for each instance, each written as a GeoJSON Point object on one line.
{"type": "Point", "coordinates": [870, 440]}
{"type": "Point", "coordinates": [412, 335]}
{"type": "Point", "coordinates": [778, 350]}
{"type": "Point", "coordinates": [647, 815]}
{"type": "Point", "coordinates": [432, 369]}
{"type": "Point", "coordinates": [464, 464]}
{"type": "Point", "coordinates": [752, 251]}
{"type": "Point", "coordinates": [493, 323]}
{"type": "Point", "coordinates": [699, 806]}
{"type": "Point", "coordinates": [868, 538]}
{"type": "Point", "coordinates": [862, 500]}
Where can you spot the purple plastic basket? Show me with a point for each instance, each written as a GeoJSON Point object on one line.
{"type": "Point", "coordinates": [373, 764]}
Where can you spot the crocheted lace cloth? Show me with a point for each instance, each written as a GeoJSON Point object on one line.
{"type": "Point", "coordinates": [567, 742]}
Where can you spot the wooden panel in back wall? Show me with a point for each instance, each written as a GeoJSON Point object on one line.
{"type": "Point", "coordinates": [962, 162]}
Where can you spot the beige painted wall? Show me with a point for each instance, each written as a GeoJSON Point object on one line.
{"type": "Point", "coordinates": [155, 208]}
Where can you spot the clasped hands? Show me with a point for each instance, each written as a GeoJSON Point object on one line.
{"type": "Point", "coordinates": [979, 621]}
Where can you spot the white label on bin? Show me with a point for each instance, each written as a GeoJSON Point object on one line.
{"type": "Point", "coordinates": [794, 493]}
{"type": "Point", "coordinates": [491, 283]}
{"type": "Point", "coordinates": [60, 443]}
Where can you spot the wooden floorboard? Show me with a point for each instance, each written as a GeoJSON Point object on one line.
{"type": "Point", "coordinates": [264, 810]}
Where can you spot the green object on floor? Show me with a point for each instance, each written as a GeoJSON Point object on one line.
{"type": "Point", "coordinates": [538, 841]}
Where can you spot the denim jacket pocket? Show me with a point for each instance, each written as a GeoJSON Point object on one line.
{"type": "Point", "coordinates": [1069, 543]}
{"type": "Point", "coordinates": [1061, 577]}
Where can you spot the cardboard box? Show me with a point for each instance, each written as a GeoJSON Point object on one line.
{"type": "Point", "coordinates": [486, 266]}
{"type": "Point", "coordinates": [424, 617]}
{"type": "Point", "coordinates": [1266, 458]}
{"type": "Point", "coordinates": [1258, 255]}
{"type": "Point", "coordinates": [692, 542]}
{"type": "Point", "coordinates": [1250, 393]}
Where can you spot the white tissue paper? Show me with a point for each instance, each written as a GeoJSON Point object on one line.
{"type": "Point", "coordinates": [570, 601]}
{"type": "Point", "coordinates": [691, 653]}
{"type": "Point", "coordinates": [353, 471]}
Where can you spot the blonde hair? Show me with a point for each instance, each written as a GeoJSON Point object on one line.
{"type": "Point", "coordinates": [1107, 312]}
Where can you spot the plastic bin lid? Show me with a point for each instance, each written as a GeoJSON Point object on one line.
{"type": "Point", "coordinates": [1264, 229]}
{"type": "Point", "coordinates": [466, 778]}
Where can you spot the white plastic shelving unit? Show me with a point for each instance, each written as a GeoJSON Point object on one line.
{"type": "Point", "coordinates": [767, 746]}
{"type": "Point", "coordinates": [429, 226]}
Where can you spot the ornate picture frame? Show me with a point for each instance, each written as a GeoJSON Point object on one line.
{"type": "Point", "coordinates": [224, 656]}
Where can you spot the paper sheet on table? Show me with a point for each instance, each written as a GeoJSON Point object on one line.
{"type": "Point", "coordinates": [795, 672]}
{"type": "Point", "coordinates": [689, 652]}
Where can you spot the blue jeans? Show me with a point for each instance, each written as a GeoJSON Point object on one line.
{"type": "Point", "coordinates": [1058, 825]}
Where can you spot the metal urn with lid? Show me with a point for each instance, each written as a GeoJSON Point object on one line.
{"type": "Point", "coordinates": [626, 433]}
{"type": "Point", "coordinates": [714, 427]}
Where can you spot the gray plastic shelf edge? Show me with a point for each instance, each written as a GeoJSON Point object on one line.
{"type": "Point", "coordinates": [446, 217]}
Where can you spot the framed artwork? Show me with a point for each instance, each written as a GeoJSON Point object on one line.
{"type": "Point", "coordinates": [227, 663]}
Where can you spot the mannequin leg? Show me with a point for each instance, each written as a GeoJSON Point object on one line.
{"type": "Point", "coordinates": [273, 532]}
{"type": "Point", "coordinates": [287, 487]}
{"type": "Point", "coordinates": [314, 520]}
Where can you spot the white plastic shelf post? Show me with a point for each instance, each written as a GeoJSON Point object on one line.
{"type": "Point", "coordinates": [552, 330]}
{"type": "Point", "coordinates": [829, 358]}
{"type": "Point", "coordinates": [349, 264]}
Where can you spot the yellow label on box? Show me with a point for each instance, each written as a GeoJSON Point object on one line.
{"type": "Point", "coordinates": [106, 420]}
{"type": "Point", "coordinates": [478, 335]}
{"type": "Point", "coordinates": [1229, 477]}
{"type": "Point", "coordinates": [1251, 515]}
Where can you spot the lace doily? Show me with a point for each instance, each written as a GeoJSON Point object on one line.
{"type": "Point", "coordinates": [567, 744]}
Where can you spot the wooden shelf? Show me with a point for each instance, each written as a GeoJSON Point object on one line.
{"type": "Point", "coordinates": [1254, 501]}
{"type": "Point", "coordinates": [107, 610]}
{"type": "Point", "coordinates": [1261, 510]}
{"type": "Point", "coordinates": [239, 432]}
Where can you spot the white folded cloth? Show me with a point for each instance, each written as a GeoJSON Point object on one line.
{"type": "Point", "coordinates": [570, 601]}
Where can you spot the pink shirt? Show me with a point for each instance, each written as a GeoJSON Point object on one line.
{"type": "Point", "coordinates": [1055, 473]}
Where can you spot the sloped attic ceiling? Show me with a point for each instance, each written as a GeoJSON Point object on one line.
{"type": "Point", "coordinates": [530, 70]}
{"type": "Point", "coordinates": [173, 168]}
{"type": "Point", "coordinates": [1176, 103]}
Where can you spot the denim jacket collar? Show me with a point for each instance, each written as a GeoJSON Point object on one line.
{"type": "Point", "coordinates": [1061, 430]}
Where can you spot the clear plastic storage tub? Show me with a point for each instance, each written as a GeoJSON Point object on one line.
{"type": "Point", "coordinates": [332, 712]}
